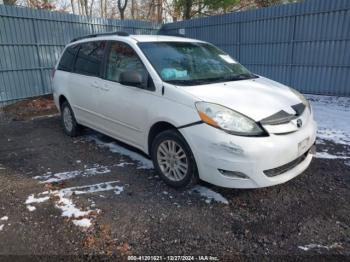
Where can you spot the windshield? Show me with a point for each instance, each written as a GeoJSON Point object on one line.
{"type": "Point", "coordinates": [185, 63]}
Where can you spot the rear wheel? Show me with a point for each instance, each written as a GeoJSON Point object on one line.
{"type": "Point", "coordinates": [173, 159]}
{"type": "Point", "coordinates": [70, 125]}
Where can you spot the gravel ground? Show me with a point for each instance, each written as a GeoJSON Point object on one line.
{"type": "Point", "coordinates": [122, 208]}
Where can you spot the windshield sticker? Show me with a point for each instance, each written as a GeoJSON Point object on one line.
{"type": "Point", "coordinates": [228, 59]}
{"type": "Point", "coordinates": [172, 73]}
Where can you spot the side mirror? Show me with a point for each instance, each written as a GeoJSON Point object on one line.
{"type": "Point", "coordinates": [131, 78]}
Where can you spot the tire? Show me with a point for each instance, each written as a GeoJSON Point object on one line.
{"type": "Point", "coordinates": [69, 124]}
{"type": "Point", "coordinates": [177, 167]}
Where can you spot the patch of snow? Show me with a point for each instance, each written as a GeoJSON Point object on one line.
{"type": "Point", "coordinates": [85, 222]}
{"type": "Point", "coordinates": [122, 164]}
{"type": "Point", "coordinates": [347, 163]}
{"type": "Point", "coordinates": [143, 162]}
{"type": "Point", "coordinates": [4, 218]}
{"type": "Point", "coordinates": [326, 155]}
{"type": "Point", "coordinates": [95, 170]}
{"type": "Point", "coordinates": [64, 202]}
{"type": "Point", "coordinates": [44, 116]}
{"type": "Point", "coordinates": [1, 227]}
{"type": "Point", "coordinates": [31, 199]}
{"type": "Point", "coordinates": [209, 194]}
{"type": "Point", "coordinates": [67, 206]}
{"type": "Point", "coordinates": [31, 208]}
{"type": "Point", "coordinates": [105, 186]}
{"type": "Point", "coordinates": [312, 246]}
{"type": "Point", "coordinates": [332, 115]}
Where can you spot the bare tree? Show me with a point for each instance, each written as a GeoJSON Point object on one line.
{"type": "Point", "coordinates": [133, 9]}
{"type": "Point", "coordinates": [188, 9]}
{"type": "Point", "coordinates": [91, 7]}
{"type": "Point", "coordinates": [86, 8]}
{"type": "Point", "coordinates": [79, 7]}
{"type": "Point", "coordinates": [73, 7]}
{"type": "Point", "coordinates": [105, 7]}
{"type": "Point", "coordinates": [122, 6]}
{"type": "Point", "coordinates": [102, 8]}
{"type": "Point", "coordinates": [10, 2]}
{"type": "Point", "coordinates": [41, 4]}
{"type": "Point", "coordinates": [159, 11]}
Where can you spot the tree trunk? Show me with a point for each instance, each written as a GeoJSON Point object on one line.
{"type": "Point", "coordinates": [73, 7]}
{"type": "Point", "coordinates": [133, 9]}
{"type": "Point", "coordinates": [86, 8]}
{"type": "Point", "coordinates": [188, 9]}
{"type": "Point", "coordinates": [122, 8]}
{"type": "Point", "coordinates": [80, 7]}
{"type": "Point", "coordinates": [91, 7]}
{"type": "Point", "coordinates": [105, 7]}
{"type": "Point", "coordinates": [159, 11]}
{"type": "Point", "coordinates": [150, 10]}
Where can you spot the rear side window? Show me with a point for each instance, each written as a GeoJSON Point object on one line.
{"type": "Point", "coordinates": [67, 60]}
{"type": "Point", "coordinates": [89, 58]}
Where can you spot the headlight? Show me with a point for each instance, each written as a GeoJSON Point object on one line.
{"type": "Point", "coordinates": [228, 120]}
{"type": "Point", "coordinates": [302, 98]}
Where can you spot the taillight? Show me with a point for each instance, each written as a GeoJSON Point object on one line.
{"type": "Point", "coordinates": [53, 73]}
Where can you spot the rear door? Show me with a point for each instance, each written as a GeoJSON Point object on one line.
{"type": "Point", "coordinates": [85, 81]}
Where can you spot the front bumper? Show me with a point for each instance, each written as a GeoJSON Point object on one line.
{"type": "Point", "coordinates": [250, 157]}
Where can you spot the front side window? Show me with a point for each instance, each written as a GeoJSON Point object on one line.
{"type": "Point", "coordinates": [123, 58]}
{"type": "Point", "coordinates": [193, 63]}
{"type": "Point", "coordinates": [89, 58]}
{"type": "Point", "coordinates": [67, 59]}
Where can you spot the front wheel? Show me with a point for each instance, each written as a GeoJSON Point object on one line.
{"type": "Point", "coordinates": [173, 159]}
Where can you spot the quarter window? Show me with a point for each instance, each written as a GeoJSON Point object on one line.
{"type": "Point", "coordinates": [89, 58]}
{"type": "Point", "coordinates": [123, 58]}
{"type": "Point", "coordinates": [67, 60]}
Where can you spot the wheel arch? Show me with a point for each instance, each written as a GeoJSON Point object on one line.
{"type": "Point", "coordinates": [155, 129]}
{"type": "Point", "coordinates": [61, 100]}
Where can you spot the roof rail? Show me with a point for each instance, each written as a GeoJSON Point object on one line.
{"type": "Point", "coordinates": [119, 33]}
{"type": "Point", "coordinates": [173, 34]}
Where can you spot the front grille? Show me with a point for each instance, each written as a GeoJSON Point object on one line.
{"type": "Point", "coordinates": [282, 169]}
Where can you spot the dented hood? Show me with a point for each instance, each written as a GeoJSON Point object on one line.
{"type": "Point", "coordinates": [256, 98]}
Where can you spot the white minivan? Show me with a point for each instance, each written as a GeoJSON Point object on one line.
{"type": "Point", "coordinates": [192, 108]}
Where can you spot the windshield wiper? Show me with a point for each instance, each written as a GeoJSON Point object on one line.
{"type": "Point", "coordinates": [181, 82]}
{"type": "Point", "coordinates": [193, 81]}
{"type": "Point", "coordinates": [244, 76]}
{"type": "Point", "coordinates": [189, 82]}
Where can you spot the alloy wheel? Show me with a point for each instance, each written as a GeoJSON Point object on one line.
{"type": "Point", "coordinates": [172, 160]}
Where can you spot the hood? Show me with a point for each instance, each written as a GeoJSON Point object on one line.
{"type": "Point", "coordinates": [256, 98]}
